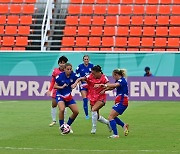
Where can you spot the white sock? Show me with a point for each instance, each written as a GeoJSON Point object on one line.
{"type": "Point", "coordinates": [103, 120]}
{"type": "Point", "coordinates": [94, 119]}
{"type": "Point", "coordinates": [53, 113]}
{"type": "Point", "coordinates": [65, 114]}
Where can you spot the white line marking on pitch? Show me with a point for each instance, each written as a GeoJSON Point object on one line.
{"type": "Point", "coordinates": [44, 149]}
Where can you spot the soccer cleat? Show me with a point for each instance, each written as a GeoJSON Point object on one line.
{"type": "Point", "coordinates": [87, 117]}
{"type": "Point", "coordinates": [126, 131]}
{"type": "Point", "coordinates": [109, 127]}
{"type": "Point", "coordinates": [114, 136]}
{"type": "Point", "coordinates": [93, 131]}
{"type": "Point", "coordinates": [71, 131]}
{"type": "Point", "coordinates": [52, 124]}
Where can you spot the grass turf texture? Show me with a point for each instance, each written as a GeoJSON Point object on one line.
{"type": "Point", "coordinates": [154, 128]}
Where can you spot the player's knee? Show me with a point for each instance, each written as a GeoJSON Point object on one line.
{"type": "Point", "coordinates": [110, 117]}
{"type": "Point", "coordinates": [76, 112]}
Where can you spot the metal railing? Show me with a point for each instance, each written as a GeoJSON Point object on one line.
{"type": "Point", "coordinates": [46, 23]}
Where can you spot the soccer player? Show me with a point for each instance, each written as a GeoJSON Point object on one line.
{"type": "Point", "coordinates": [121, 101]}
{"type": "Point", "coordinates": [61, 62]}
{"type": "Point", "coordinates": [148, 73]}
{"type": "Point", "coordinates": [97, 100]}
{"type": "Point", "coordinates": [63, 96]}
{"type": "Point", "coordinates": [83, 70]}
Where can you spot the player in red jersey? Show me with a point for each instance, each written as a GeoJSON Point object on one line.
{"type": "Point", "coordinates": [52, 92]}
{"type": "Point", "coordinates": [97, 100]}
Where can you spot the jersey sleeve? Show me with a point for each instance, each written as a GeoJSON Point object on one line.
{"type": "Point", "coordinates": [54, 73]}
{"type": "Point", "coordinates": [77, 70]}
{"type": "Point", "coordinates": [106, 79]}
{"type": "Point", "coordinates": [52, 83]}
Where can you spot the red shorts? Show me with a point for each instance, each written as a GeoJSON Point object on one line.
{"type": "Point", "coordinates": [54, 93]}
{"type": "Point", "coordinates": [100, 98]}
{"type": "Point", "coordinates": [119, 99]}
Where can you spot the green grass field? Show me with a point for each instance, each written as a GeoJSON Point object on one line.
{"type": "Point", "coordinates": [154, 128]}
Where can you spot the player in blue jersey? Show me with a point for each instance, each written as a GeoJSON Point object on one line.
{"type": "Point", "coordinates": [83, 70]}
{"type": "Point", "coordinates": [148, 73]}
{"type": "Point", "coordinates": [63, 95]}
{"type": "Point", "coordinates": [121, 101]}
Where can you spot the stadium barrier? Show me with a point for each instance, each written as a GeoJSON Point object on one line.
{"type": "Point", "coordinates": [140, 88]}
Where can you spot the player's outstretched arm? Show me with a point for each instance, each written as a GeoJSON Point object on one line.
{"type": "Point", "coordinates": [77, 81]}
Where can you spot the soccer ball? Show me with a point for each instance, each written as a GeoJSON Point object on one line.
{"type": "Point", "coordinates": [65, 128]}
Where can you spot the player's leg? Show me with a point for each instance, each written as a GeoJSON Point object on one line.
{"type": "Point", "coordinates": [53, 112]}
{"type": "Point", "coordinates": [85, 102]}
{"type": "Point", "coordinates": [61, 105]}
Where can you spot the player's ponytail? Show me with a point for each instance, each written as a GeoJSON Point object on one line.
{"type": "Point", "coordinates": [97, 68]}
{"type": "Point", "coordinates": [121, 72]}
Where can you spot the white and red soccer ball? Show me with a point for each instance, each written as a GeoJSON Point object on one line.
{"type": "Point", "coordinates": [65, 128]}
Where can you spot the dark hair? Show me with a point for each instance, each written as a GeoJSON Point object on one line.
{"type": "Point", "coordinates": [121, 72]}
{"type": "Point", "coordinates": [62, 59]}
{"type": "Point", "coordinates": [85, 56]}
{"type": "Point", "coordinates": [97, 68]}
{"type": "Point", "coordinates": [68, 64]}
{"type": "Point", "coordinates": [147, 68]}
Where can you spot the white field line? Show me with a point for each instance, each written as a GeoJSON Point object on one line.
{"type": "Point", "coordinates": [44, 149]}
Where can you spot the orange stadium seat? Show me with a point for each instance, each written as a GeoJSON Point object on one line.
{"type": "Point", "coordinates": [98, 20]}
{"type": "Point", "coordinates": [4, 8]}
{"type": "Point", "coordinates": [134, 41]}
{"type": "Point", "coordinates": [5, 1]}
{"type": "Point", "coordinates": [147, 42]}
{"type": "Point", "coordinates": [1, 30]}
{"type": "Point", "coordinates": [174, 31]}
{"type": "Point", "coordinates": [19, 48]}
{"type": "Point", "coordinates": [140, 1]}
{"type": "Point", "coordinates": [176, 9]}
{"type": "Point", "coordinates": [125, 9]}
{"type": "Point", "coordinates": [96, 31]}
{"type": "Point", "coordinates": [127, 2]}
{"type": "Point", "coordinates": [81, 41]}
{"type": "Point", "coordinates": [99, 9]}
{"type": "Point", "coordinates": [122, 31]}
{"type": "Point", "coordinates": [72, 20]}
{"type": "Point", "coordinates": [159, 49]}
{"type": "Point", "coordinates": [92, 49]}
{"type": "Point", "coordinates": [6, 48]}
{"type": "Point", "coordinates": [13, 19]}
{"type": "Point", "coordinates": [153, 1]}
{"type": "Point", "coordinates": [113, 9]}
{"type": "Point", "coordinates": [164, 9]}
{"type": "Point", "coordinates": [151, 9]}
{"type": "Point", "coordinates": [26, 20]}
{"type": "Point", "coordinates": [138, 9]}
{"type": "Point", "coordinates": [8, 41]}
{"type": "Point", "coordinates": [124, 20]}
{"type": "Point", "coordinates": [11, 30]}
{"type": "Point", "coordinates": [70, 30]}
{"type": "Point", "coordinates": [163, 20]}
{"type": "Point", "coordinates": [150, 20]}
{"type": "Point", "coordinates": [135, 31]}
{"type": "Point", "coordinates": [2, 19]}
{"type": "Point", "coordinates": [165, 1]}
{"type": "Point", "coordinates": [137, 20]}
{"type": "Point", "coordinates": [172, 50]}
{"type": "Point", "coordinates": [176, 2]}
{"type": "Point", "coordinates": [161, 31]}
{"type": "Point", "coordinates": [85, 20]}
{"type": "Point", "coordinates": [173, 42]}
{"type": "Point", "coordinates": [15, 8]}
{"type": "Point", "coordinates": [30, 1]}
{"type": "Point", "coordinates": [111, 20]}
{"type": "Point", "coordinates": [74, 9]}
{"type": "Point", "coordinates": [175, 20]}
{"type": "Point", "coordinates": [160, 42]}
{"type": "Point", "coordinates": [79, 49]}
{"type": "Point", "coordinates": [66, 49]}
{"type": "Point", "coordinates": [107, 41]}
{"type": "Point", "coordinates": [148, 31]}
{"type": "Point", "coordinates": [120, 41]}
{"type": "Point", "coordinates": [28, 9]}
{"type": "Point", "coordinates": [23, 30]}
{"type": "Point", "coordinates": [119, 49]}
{"type": "Point", "coordinates": [106, 49]}
{"type": "Point", "coordinates": [75, 1]}
{"type": "Point", "coordinates": [87, 9]}
{"type": "Point", "coordinates": [83, 30]}
{"type": "Point", "coordinates": [68, 41]}
{"type": "Point", "coordinates": [101, 1]}
{"type": "Point", "coordinates": [94, 41]}
{"type": "Point", "coordinates": [21, 41]}
{"type": "Point", "coordinates": [132, 49]}
{"type": "Point", "coordinates": [88, 1]}
{"type": "Point", "coordinates": [114, 1]}
{"type": "Point", "coordinates": [17, 1]}
{"type": "Point", "coordinates": [109, 31]}
{"type": "Point", "coordinates": [145, 49]}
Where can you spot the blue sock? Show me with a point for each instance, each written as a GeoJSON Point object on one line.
{"type": "Point", "coordinates": [70, 121]}
{"type": "Point", "coordinates": [85, 106]}
{"type": "Point", "coordinates": [113, 126]}
{"type": "Point", "coordinates": [119, 122]}
{"type": "Point", "coordinates": [61, 122]}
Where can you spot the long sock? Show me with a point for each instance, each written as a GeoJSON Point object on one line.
{"type": "Point", "coordinates": [65, 114]}
{"type": "Point", "coordinates": [103, 120]}
{"type": "Point", "coordinates": [94, 118]}
{"type": "Point", "coordinates": [53, 113]}
{"type": "Point", "coordinates": [85, 106]}
{"type": "Point", "coordinates": [119, 122]}
{"type": "Point", "coordinates": [113, 126]}
{"type": "Point", "coordinates": [61, 122]}
{"type": "Point", "coordinates": [70, 121]}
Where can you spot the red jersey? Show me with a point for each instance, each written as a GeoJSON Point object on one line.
{"type": "Point", "coordinates": [55, 73]}
{"type": "Point", "coordinates": [94, 93]}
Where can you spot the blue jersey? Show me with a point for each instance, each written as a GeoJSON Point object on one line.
{"type": "Point", "coordinates": [84, 70]}
{"type": "Point", "coordinates": [62, 79]}
{"type": "Point", "coordinates": [123, 88]}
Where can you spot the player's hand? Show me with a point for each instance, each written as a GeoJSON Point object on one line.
{"type": "Point", "coordinates": [73, 86]}
{"type": "Point", "coordinates": [97, 85]}
{"type": "Point", "coordinates": [48, 93]}
{"type": "Point", "coordinates": [102, 91]}
{"type": "Point", "coordinates": [65, 85]}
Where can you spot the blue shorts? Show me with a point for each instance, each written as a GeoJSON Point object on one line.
{"type": "Point", "coordinates": [119, 108]}
{"type": "Point", "coordinates": [67, 103]}
{"type": "Point", "coordinates": [81, 88]}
